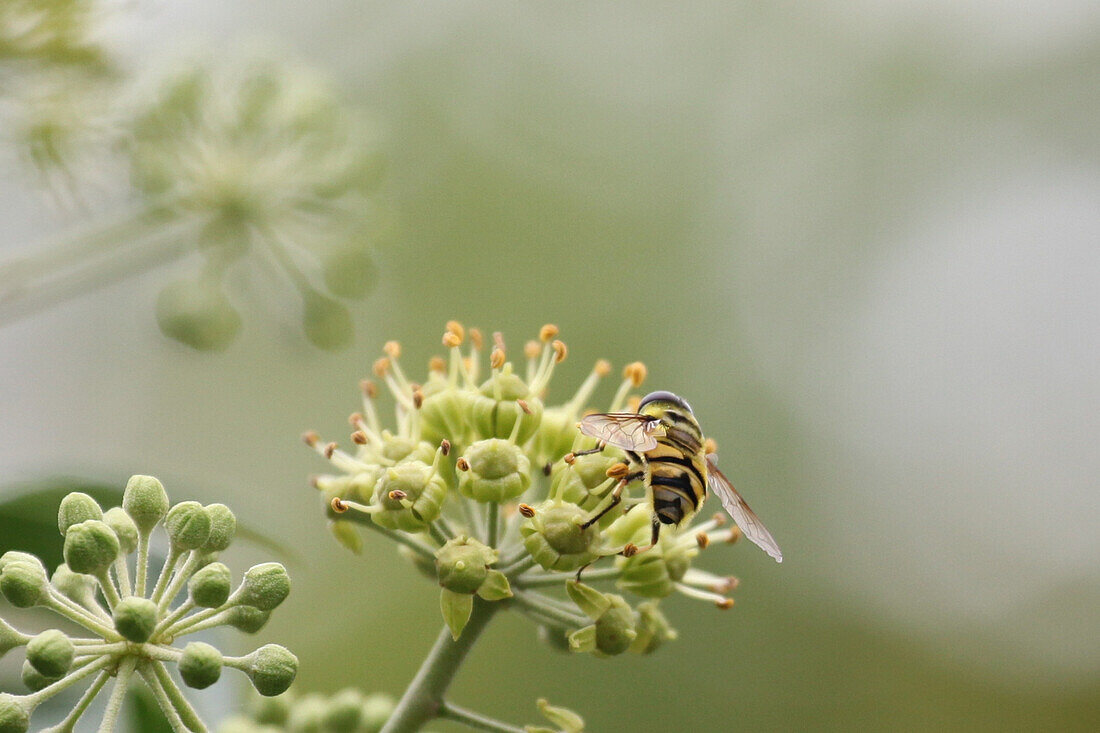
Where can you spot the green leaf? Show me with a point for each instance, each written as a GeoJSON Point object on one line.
{"type": "Point", "coordinates": [565, 719]}
{"type": "Point", "coordinates": [588, 599]}
{"type": "Point", "coordinates": [28, 514]}
{"type": "Point", "coordinates": [495, 587]}
{"type": "Point", "coordinates": [456, 608]}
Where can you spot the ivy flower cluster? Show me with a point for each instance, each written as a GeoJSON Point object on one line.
{"type": "Point", "coordinates": [478, 482]}
{"type": "Point", "coordinates": [132, 625]}
{"type": "Point", "coordinates": [260, 159]}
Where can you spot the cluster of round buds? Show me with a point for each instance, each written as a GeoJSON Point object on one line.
{"type": "Point", "coordinates": [346, 711]}
{"type": "Point", "coordinates": [133, 620]}
{"type": "Point", "coordinates": [257, 153]}
{"type": "Point", "coordinates": [498, 497]}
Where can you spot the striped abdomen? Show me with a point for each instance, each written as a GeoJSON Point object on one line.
{"type": "Point", "coordinates": [676, 474]}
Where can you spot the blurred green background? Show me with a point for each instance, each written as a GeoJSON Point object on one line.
{"type": "Point", "coordinates": [861, 238]}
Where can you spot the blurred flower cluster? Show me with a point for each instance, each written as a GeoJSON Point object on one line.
{"type": "Point", "coordinates": [479, 483]}
{"type": "Point", "coordinates": [129, 615]}
{"type": "Point", "coordinates": [251, 164]}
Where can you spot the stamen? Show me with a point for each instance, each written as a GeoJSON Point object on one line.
{"type": "Point", "coordinates": [445, 446]}
{"type": "Point", "coordinates": [437, 364]}
{"type": "Point", "coordinates": [630, 550]}
{"type": "Point", "coordinates": [703, 595]}
{"type": "Point", "coordinates": [397, 495]}
{"type": "Point", "coordinates": [359, 437]}
{"type": "Point", "coordinates": [702, 539]}
{"type": "Point", "coordinates": [311, 438]}
{"type": "Point", "coordinates": [548, 332]}
{"type": "Point", "coordinates": [735, 534]}
{"type": "Point", "coordinates": [635, 372]}
{"type": "Point", "coordinates": [560, 351]}
{"type": "Point", "coordinates": [532, 349]}
{"type": "Point", "coordinates": [451, 341]}
{"type": "Point", "coordinates": [476, 339]}
{"type": "Point", "coordinates": [462, 464]}
{"type": "Point", "coordinates": [392, 349]}
{"type": "Point", "coordinates": [340, 506]}
{"type": "Point", "coordinates": [523, 406]}
{"type": "Point", "coordinates": [457, 329]}
{"type": "Point", "coordinates": [526, 510]}
{"type": "Point", "coordinates": [381, 366]}
{"type": "Point", "coordinates": [588, 386]}
{"type": "Point", "coordinates": [602, 368]}
{"type": "Point", "coordinates": [618, 470]}
{"type": "Point", "coordinates": [496, 359]}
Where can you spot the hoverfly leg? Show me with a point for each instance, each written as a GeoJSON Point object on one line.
{"type": "Point", "coordinates": [656, 532]}
{"type": "Point", "coordinates": [616, 497]}
{"type": "Point", "coordinates": [599, 447]}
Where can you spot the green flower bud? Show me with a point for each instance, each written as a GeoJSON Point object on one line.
{"type": "Point", "coordinates": [196, 312]}
{"type": "Point", "coordinates": [495, 418]}
{"type": "Point", "coordinates": [200, 665]}
{"type": "Point", "coordinates": [272, 669]}
{"type": "Point", "coordinates": [90, 547]}
{"type": "Point", "coordinates": [16, 556]}
{"type": "Point", "coordinates": [124, 528]}
{"type": "Point", "coordinates": [615, 628]}
{"type": "Point", "coordinates": [51, 653]}
{"type": "Point", "coordinates": [265, 586]}
{"type": "Point", "coordinates": [33, 679]}
{"type": "Point", "coordinates": [75, 508]}
{"type": "Point", "coordinates": [327, 323]}
{"type": "Point", "coordinates": [24, 584]}
{"type": "Point", "coordinates": [463, 564]}
{"type": "Point", "coordinates": [555, 538]}
{"type": "Point", "coordinates": [223, 525]}
{"type": "Point", "coordinates": [308, 714]}
{"type": "Point", "coordinates": [423, 490]}
{"type": "Point", "coordinates": [248, 618]}
{"type": "Point", "coordinates": [135, 618]}
{"type": "Point", "coordinates": [209, 587]}
{"type": "Point", "coordinates": [343, 712]}
{"type": "Point", "coordinates": [557, 431]}
{"type": "Point", "coordinates": [146, 501]}
{"type": "Point", "coordinates": [10, 638]}
{"type": "Point", "coordinates": [188, 526]}
{"type": "Point", "coordinates": [74, 586]}
{"type": "Point", "coordinates": [376, 711]}
{"type": "Point", "coordinates": [498, 471]}
{"type": "Point", "coordinates": [15, 714]}
{"type": "Point", "coordinates": [444, 414]}
{"type": "Point", "coordinates": [400, 449]}
{"type": "Point", "coordinates": [564, 720]}
{"type": "Point", "coordinates": [652, 627]}
{"type": "Point", "coordinates": [576, 482]}
{"type": "Point", "coordinates": [655, 572]}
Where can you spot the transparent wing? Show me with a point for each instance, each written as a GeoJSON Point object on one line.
{"type": "Point", "coordinates": [745, 518]}
{"type": "Point", "coordinates": [624, 430]}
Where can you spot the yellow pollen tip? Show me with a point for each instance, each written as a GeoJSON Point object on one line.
{"type": "Point", "coordinates": [450, 340]}
{"type": "Point", "coordinates": [531, 349]}
{"type": "Point", "coordinates": [311, 438]}
{"type": "Point", "coordinates": [437, 364]}
{"type": "Point", "coordinates": [719, 518]}
{"type": "Point", "coordinates": [569, 458]}
{"type": "Point", "coordinates": [355, 418]}
{"type": "Point", "coordinates": [702, 539]}
{"type": "Point", "coordinates": [381, 367]}
{"type": "Point", "coordinates": [468, 364]}
{"type": "Point", "coordinates": [418, 398]}
{"type": "Point", "coordinates": [618, 470]}
{"type": "Point", "coordinates": [457, 329]}
{"type": "Point", "coordinates": [330, 449]}
{"type": "Point", "coordinates": [462, 464]}
{"type": "Point", "coordinates": [724, 604]}
{"type": "Point", "coordinates": [735, 534]}
{"type": "Point", "coordinates": [445, 447]}
{"type": "Point", "coordinates": [496, 359]}
{"type": "Point", "coordinates": [602, 368]}
{"type": "Point", "coordinates": [630, 550]}
{"type": "Point", "coordinates": [359, 437]}
{"type": "Point", "coordinates": [548, 332]}
{"type": "Point", "coordinates": [635, 372]}
{"type": "Point", "coordinates": [392, 349]}
{"type": "Point", "coordinates": [560, 351]}
{"type": "Point", "coordinates": [368, 388]}
{"type": "Point", "coordinates": [337, 505]}
{"type": "Point", "coordinates": [476, 338]}
{"type": "Point", "coordinates": [526, 510]}
{"type": "Point", "coordinates": [398, 495]}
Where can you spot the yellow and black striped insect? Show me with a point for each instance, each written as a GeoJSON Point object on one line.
{"type": "Point", "coordinates": [667, 450]}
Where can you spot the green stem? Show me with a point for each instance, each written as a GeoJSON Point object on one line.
{"type": "Point", "coordinates": [68, 680]}
{"type": "Point", "coordinates": [166, 705]}
{"type": "Point", "coordinates": [66, 725]}
{"type": "Point", "coordinates": [412, 543]}
{"type": "Point", "coordinates": [423, 700]}
{"type": "Point", "coordinates": [187, 713]}
{"type": "Point", "coordinates": [114, 702]}
{"type": "Point", "coordinates": [438, 533]}
{"type": "Point", "coordinates": [537, 580]}
{"type": "Point", "coordinates": [122, 572]}
{"type": "Point", "coordinates": [142, 564]}
{"type": "Point", "coordinates": [110, 593]}
{"type": "Point", "coordinates": [523, 564]}
{"type": "Point", "coordinates": [493, 529]}
{"type": "Point", "coordinates": [179, 579]}
{"type": "Point", "coordinates": [547, 611]}
{"type": "Point", "coordinates": [78, 614]}
{"type": "Point", "coordinates": [477, 721]}
{"type": "Point", "coordinates": [170, 563]}
{"type": "Point", "coordinates": [183, 609]}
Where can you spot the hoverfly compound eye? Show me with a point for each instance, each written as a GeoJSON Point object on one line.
{"type": "Point", "coordinates": [663, 396]}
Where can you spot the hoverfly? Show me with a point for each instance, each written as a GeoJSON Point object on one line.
{"type": "Point", "coordinates": [667, 451]}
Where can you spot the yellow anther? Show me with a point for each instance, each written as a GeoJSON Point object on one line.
{"type": "Point", "coordinates": [635, 372]}
{"type": "Point", "coordinates": [381, 367]}
{"type": "Point", "coordinates": [457, 329]}
{"type": "Point", "coordinates": [392, 349]}
{"type": "Point", "coordinates": [602, 368]}
{"type": "Point", "coordinates": [548, 332]}
{"type": "Point", "coordinates": [476, 338]}
{"type": "Point", "coordinates": [559, 351]}
{"type": "Point", "coordinates": [496, 359]}
{"type": "Point", "coordinates": [437, 364]}
{"type": "Point", "coordinates": [531, 349]}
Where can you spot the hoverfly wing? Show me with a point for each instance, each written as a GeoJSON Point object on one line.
{"type": "Point", "coordinates": [745, 518]}
{"type": "Point", "coordinates": [625, 430]}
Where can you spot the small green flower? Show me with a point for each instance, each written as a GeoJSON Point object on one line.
{"type": "Point", "coordinates": [135, 632]}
